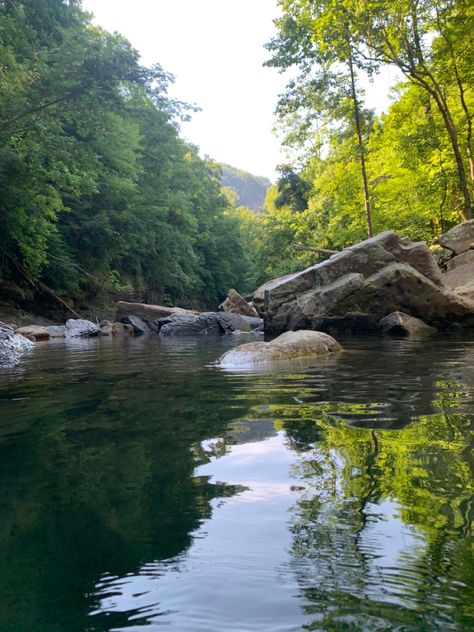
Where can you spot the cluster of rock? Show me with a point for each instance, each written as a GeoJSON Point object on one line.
{"type": "Point", "coordinates": [175, 321]}
{"type": "Point", "coordinates": [74, 328]}
{"type": "Point", "coordinates": [357, 288]}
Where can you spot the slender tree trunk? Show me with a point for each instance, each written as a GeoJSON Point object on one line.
{"type": "Point", "coordinates": [424, 78]}
{"type": "Point", "coordinates": [453, 137]}
{"type": "Point", "coordinates": [361, 149]}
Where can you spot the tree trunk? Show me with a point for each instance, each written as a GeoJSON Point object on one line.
{"type": "Point", "coordinates": [361, 149]}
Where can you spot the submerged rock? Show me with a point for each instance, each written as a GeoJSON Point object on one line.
{"type": "Point", "coordinates": [79, 328]}
{"type": "Point", "coordinates": [256, 324]}
{"type": "Point", "coordinates": [57, 331]}
{"type": "Point", "coordinates": [400, 324]}
{"type": "Point", "coordinates": [292, 345]}
{"type": "Point", "coordinates": [12, 346]}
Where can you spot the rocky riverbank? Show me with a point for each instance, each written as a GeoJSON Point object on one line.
{"type": "Point", "coordinates": [386, 284]}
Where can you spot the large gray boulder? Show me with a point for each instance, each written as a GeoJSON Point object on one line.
{"type": "Point", "coordinates": [354, 289]}
{"type": "Point", "coordinates": [290, 346]}
{"type": "Point", "coordinates": [80, 328]}
{"type": "Point", "coordinates": [459, 239]}
{"type": "Point", "coordinates": [12, 346]}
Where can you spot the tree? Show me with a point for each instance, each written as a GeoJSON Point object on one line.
{"type": "Point", "coordinates": [316, 38]}
{"type": "Point", "coordinates": [416, 36]}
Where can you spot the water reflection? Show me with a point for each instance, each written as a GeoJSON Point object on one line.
{"type": "Point", "coordinates": [140, 485]}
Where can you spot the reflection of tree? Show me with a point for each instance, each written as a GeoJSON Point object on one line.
{"type": "Point", "coordinates": [425, 471]}
{"type": "Point", "coordinates": [104, 484]}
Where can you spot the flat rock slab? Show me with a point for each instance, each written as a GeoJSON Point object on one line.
{"type": "Point", "coordinates": [400, 324]}
{"type": "Point", "coordinates": [460, 238]}
{"type": "Point", "coordinates": [147, 312]}
{"type": "Point", "coordinates": [459, 260]}
{"type": "Point", "coordinates": [34, 332]}
{"type": "Point", "coordinates": [460, 275]}
{"type": "Point", "coordinates": [57, 331]}
{"type": "Point", "coordinates": [290, 346]}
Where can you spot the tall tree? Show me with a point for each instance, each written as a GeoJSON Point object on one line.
{"type": "Point", "coordinates": [405, 34]}
{"type": "Point", "coordinates": [316, 38]}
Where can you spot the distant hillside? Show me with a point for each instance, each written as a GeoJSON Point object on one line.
{"type": "Point", "coordinates": [250, 189]}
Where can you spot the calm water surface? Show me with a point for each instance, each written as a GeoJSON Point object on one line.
{"type": "Point", "coordinates": [141, 487]}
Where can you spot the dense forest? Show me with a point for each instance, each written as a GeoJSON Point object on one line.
{"type": "Point", "coordinates": [98, 191]}
{"type": "Point", "coordinates": [101, 196]}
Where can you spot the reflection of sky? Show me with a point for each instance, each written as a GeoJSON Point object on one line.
{"type": "Point", "coordinates": [238, 573]}
{"type": "Point", "coordinates": [389, 545]}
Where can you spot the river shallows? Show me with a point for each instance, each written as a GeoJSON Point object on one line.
{"type": "Point", "coordinates": [141, 486]}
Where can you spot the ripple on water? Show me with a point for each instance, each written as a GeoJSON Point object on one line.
{"type": "Point", "coordinates": [143, 486]}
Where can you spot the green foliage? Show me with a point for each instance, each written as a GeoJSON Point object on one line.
{"type": "Point", "coordinates": [98, 190]}
{"type": "Point", "coordinates": [415, 154]}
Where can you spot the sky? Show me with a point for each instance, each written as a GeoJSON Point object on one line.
{"type": "Point", "coordinates": [214, 48]}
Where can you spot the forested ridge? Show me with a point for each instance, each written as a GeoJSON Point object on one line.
{"type": "Point", "coordinates": [101, 196]}
{"type": "Point", "coordinates": [250, 190]}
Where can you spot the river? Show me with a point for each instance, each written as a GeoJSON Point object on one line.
{"type": "Point", "coordinates": [144, 488]}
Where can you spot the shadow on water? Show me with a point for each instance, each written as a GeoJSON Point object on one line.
{"type": "Point", "coordinates": [137, 480]}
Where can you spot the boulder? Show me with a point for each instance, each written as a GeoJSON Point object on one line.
{"type": "Point", "coordinates": [236, 304]}
{"type": "Point", "coordinates": [459, 276]}
{"type": "Point", "coordinates": [189, 325]}
{"type": "Point", "coordinates": [121, 329]}
{"type": "Point", "coordinates": [33, 332]}
{"type": "Point", "coordinates": [459, 260]}
{"type": "Point", "coordinates": [459, 239]}
{"type": "Point", "coordinates": [231, 322]}
{"type": "Point", "coordinates": [146, 312]}
{"type": "Point", "coordinates": [400, 324]}
{"type": "Point", "coordinates": [466, 291]}
{"type": "Point", "coordinates": [139, 326]}
{"type": "Point", "coordinates": [290, 346]}
{"type": "Point", "coordinates": [354, 289]}
{"type": "Point", "coordinates": [80, 328]}
{"type": "Point", "coordinates": [256, 324]}
{"type": "Point", "coordinates": [57, 331]}
{"type": "Point", "coordinates": [12, 346]}
{"type": "Point", "coordinates": [106, 330]}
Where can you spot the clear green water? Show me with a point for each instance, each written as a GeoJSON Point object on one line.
{"type": "Point", "coordinates": [141, 488]}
